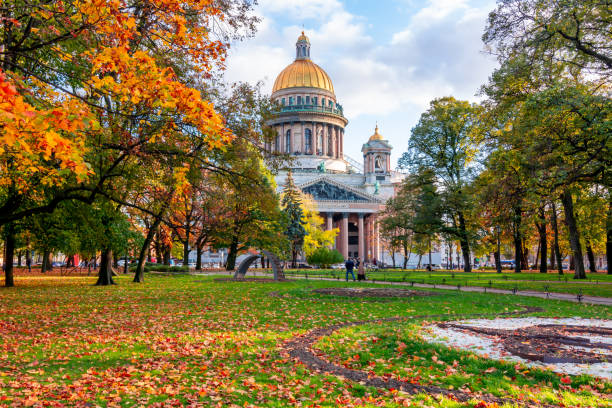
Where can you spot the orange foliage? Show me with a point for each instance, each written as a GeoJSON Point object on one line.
{"type": "Point", "coordinates": [124, 51]}
{"type": "Point", "coordinates": [44, 141]}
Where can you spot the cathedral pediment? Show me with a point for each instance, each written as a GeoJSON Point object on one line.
{"type": "Point", "coordinates": [324, 189]}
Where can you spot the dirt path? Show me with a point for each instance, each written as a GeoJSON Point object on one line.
{"type": "Point", "coordinates": [570, 297]}
{"type": "Point", "coordinates": [301, 348]}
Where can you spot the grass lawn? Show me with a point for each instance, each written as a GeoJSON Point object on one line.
{"type": "Point", "coordinates": [189, 340]}
{"type": "Point", "coordinates": [599, 284]}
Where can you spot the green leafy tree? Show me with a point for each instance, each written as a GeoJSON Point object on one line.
{"type": "Point", "coordinates": [445, 143]}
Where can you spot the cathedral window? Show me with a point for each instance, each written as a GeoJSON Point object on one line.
{"type": "Point", "coordinates": [291, 100]}
{"type": "Point", "coordinates": [320, 143]}
{"type": "Point", "coordinates": [299, 100]}
{"type": "Point", "coordinates": [323, 102]}
{"type": "Point", "coordinates": [307, 141]}
{"type": "Point", "coordinates": [308, 100]}
{"type": "Point", "coordinates": [314, 100]}
{"type": "Point", "coordinates": [288, 141]}
{"type": "Point", "coordinates": [283, 101]}
{"type": "Point", "coordinates": [330, 145]}
{"type": "Point", "coordinates": [277, 143]}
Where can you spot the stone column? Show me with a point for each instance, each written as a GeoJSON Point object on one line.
{"type": "Point", "coordinates": [376, 240]}
{"type": "Point", "coordinates": [329, 225]}
{"type": "Point", "coordinates": [361, 247]}
{"type": "Point", "coordinates": [366, 231]}
{"type": "Point", "coordinates": [344, 229]}
{"type": "Point", "coordinates": [302, 136]}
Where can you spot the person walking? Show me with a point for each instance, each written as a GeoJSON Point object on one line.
{"type": "Point", "coordinates": [349, 268]}
{"type": "Point", "coordinates": [29, 264]}
{"type": "Point", "coordinates": [360, 270]}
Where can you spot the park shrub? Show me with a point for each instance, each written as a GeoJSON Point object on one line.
{"type": "Point", "coordinates": [152, 267]}
{"type": "Point", "coordinates": [324, 257]}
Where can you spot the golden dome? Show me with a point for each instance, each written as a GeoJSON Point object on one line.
{"type": "Point", "coordinates": [303, 73]}
{"type": "Point", "coordinates": [303, 38]}
{"type": "Point", "coordinates": [376, 135]}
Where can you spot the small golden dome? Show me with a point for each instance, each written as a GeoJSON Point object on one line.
{"type": "Point", "coordinates": [303, 38]}
{"type": "Point", "coordinates": [376, 135]}
{"type": "Point", "coordinates": [303, 73]}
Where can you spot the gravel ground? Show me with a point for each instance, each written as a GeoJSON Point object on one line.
{"type": "Point", "coordinates": [491, 346]}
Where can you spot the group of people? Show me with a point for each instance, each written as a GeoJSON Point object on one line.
{"type": "Point", "coordinates": [353, 263]}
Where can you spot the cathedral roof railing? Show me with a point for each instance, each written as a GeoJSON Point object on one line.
{"type": "Point", "coordinates": [309, 108]}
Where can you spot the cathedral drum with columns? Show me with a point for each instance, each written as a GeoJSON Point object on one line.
{"type": "Point", "coordinates": [310, 126]}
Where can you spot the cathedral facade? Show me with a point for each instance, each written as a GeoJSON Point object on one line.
{"type": "Point", "coordinates": [310, 126]}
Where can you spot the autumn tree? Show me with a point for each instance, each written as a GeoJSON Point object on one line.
{"type": "Point", "coordinates": [445, 142]}
{"type": "Point", "coordinates": [292, 207]}
{"type": "Point", "coordinates": [554, 74]}
{"type": "Point", "coordinates": [87, 87]}
{"type": "Point", "coordinates": [573, 33]}
{"type": "Point", "coordinates": [317, 236]}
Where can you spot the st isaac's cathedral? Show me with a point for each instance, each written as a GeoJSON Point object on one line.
{"type": "Point", "coordinates": [310, 127]}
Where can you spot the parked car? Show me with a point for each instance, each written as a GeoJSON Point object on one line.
{"type": "Point", "coordinates": [337, 266]}
{"type": "Point", "coordinates": [304, 266]}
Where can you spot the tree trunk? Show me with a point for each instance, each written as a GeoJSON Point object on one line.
{"type": "Point", "coordinates": [419, 265]}
{"type": "Point", "coordinates": [430, 253]}
{"type": "Point", "coordinates": [9, 253]}
{"type": "Point", "coordinates": [465, 246]}
{"type": "Point", "coordinates": [198, 258]}
{"type": "Point", "coordinates": [552, 258]}
{"type": "Point", "coordinates": [233, 253]}
{"type": "Point", "coordinates": [591, 257]}
{"type": "Point", "coordinates": [393, 258]}
{"type": "Point", "coordinates": [186, 247]}
{"type": "Point", "coordinates": [47, 264]}
{"type": "Point", "coordinates": [105, 273]}
{"type": "Point", "coordinates": [574, 234]}
{"type": "Point", "coordinates": [556, 249]}
{"type": "Point", "coordinates": [158, 250]}
{"type": "Point", "coordinates": [294, 254]}
{"type": "Point", "coordinates": [543, 241]}
{"type": "Point", "coordinates": [406, 256]}
{"type": "Point", "coordinates": [167, 255]}
{"type": "Point", "coordinates": [28, 254]}
{"type": "Point", "coordinates": [497, 257]}
{"type": "Point", "coordinates": [518, 241]}
{"type": "Point", "coordinates": [609, 237]}
{"type": "Point", "coordinates": [144, 250]}
{"type": "Point", "coordinates": [525, 254]}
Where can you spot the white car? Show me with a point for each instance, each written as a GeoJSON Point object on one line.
{"type": "Point", "coordinates": [337, 266]}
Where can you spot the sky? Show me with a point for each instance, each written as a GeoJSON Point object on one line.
{"type": "Point", "coordinates": [387, 59]}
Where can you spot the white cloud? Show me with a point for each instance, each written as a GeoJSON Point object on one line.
{"type": "Point", "coordinates": [302, 9]}
{"type": "Point", "coordinates": [436, 53]}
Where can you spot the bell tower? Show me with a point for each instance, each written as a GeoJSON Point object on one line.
{"type": "Point", "coordinates": [377, 159]}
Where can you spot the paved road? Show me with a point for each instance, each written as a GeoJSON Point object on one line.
{"type": "Point", "coordinates": [570, 297]}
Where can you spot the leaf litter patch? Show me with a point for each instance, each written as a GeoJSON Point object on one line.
{"type": "Point", "coordinates": [567, 345]}
{"type": "Point", "coordinates": [373, 292]}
